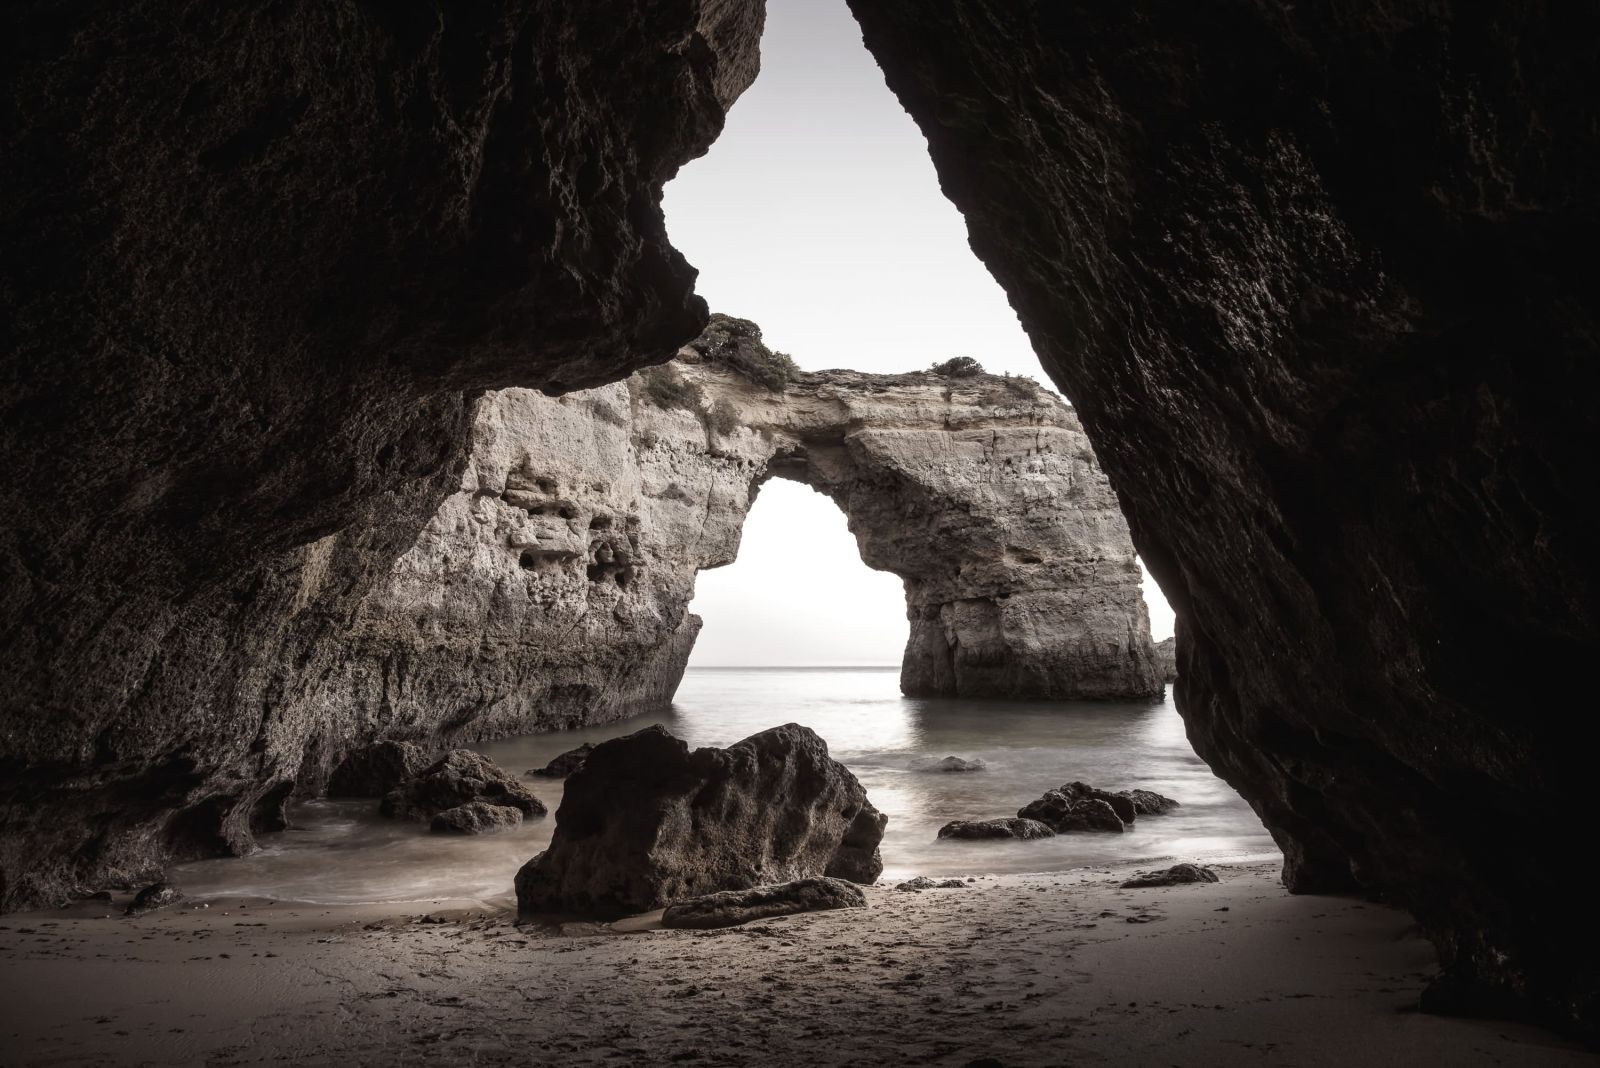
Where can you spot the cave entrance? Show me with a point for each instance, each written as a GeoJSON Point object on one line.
{"type": "Point", "coordinates": [817, 214]}
{"type": "Point", "coordinates": [798, 595]}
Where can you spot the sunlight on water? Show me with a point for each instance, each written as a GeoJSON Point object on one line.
{"type": "Point", "coordinates": [341, 851]}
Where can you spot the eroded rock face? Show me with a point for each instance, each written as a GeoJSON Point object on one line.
{"type": "Point", "coordinates": [1167, 657]}
{"type": "Point", "coordinates": [647, 822]}
{"type": "Point", "coordinates": [258, 266]}
{"type": "Point", "coordinates": [374, 770]}
{"type": "Point", "coordinates": [1317, 278]}
{"type": "Point", "coordinates": [552, 589]}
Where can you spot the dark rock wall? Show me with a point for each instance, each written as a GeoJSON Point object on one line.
{"type": "Point", "coordinates": [258, 261]}
{"type": "Point", "coordinates": [1319, 279]}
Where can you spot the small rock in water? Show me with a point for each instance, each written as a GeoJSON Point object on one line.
{"type": "Point", "coordinates": [1173, 876]}
{"type": "Point", "coordinates": [460, 777]}
{"type": "Point", "coordinates": [476, 817]}
{"type": "Point", "coordinates": [922, 882]}
{"type": "Point", "coordinates": [1015, 827]}
{"type": "Point", "coordinates": [955, 763]}
{"type": "Point", "coordinates": [563, 765]}
{"type": "Point", "coordinates": [732, 907]}
{"type": "Point", "coordinates": [154, 896]}
{"type": "Point", "coordinates": [1077, 806]}
{"type": "Point", "coordinates": [1149, 803]}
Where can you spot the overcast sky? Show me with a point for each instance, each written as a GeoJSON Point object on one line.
{"type": "Point", "coordinates": [817, 214]}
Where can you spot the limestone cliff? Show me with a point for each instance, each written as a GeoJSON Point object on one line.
{"type": "Point", "coordinates": [258, 264]}
{"type": "Point", "coordinates": [552, 588]}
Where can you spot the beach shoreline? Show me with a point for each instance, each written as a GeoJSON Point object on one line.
{"type": "Point", "coordinates": [1045, 969]}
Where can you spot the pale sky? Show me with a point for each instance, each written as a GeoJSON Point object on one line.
{"type": "Point", "coordinates": [818, 215]}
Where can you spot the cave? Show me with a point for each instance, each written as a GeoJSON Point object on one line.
{"type": "Point", "coordinates": [1314, 279]}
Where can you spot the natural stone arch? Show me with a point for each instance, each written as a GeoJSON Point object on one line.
{"type": "Point", "coordinates": [552, 589]}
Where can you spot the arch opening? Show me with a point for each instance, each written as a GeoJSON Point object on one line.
{"type": "Point", "coordinates": [798, 594]}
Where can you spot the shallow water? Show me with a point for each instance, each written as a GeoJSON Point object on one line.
{"type": "Point", "coordinates": [341, 851]}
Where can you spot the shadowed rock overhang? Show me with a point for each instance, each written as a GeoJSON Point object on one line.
{"type": "Point", "coordinates": [1318, 279]}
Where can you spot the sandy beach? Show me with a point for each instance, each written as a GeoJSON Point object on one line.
{"type": "Point", "coordinates": [1014, 970]}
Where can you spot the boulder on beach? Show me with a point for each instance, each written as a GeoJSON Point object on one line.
{"type": "Point", "coordinates": [565, 764]}
{"type": "Point", "coordinates": [1077, 806]}
{"type": "Point", "coordinates": [647, 822]}
{"type": "Point", "coordinates": [154, 896]}
{"type": "Point", "coordinates": [923, 882]}
{"type": "Point", "coordinates": [1173, 876]}
{"type": "Point", "coordinates": [374, 770]}
{"type": "Point", "coordinates": [1015, 827]}
{"type": "Point", "coordinates": [732, 907]}
{"type": "Point", "coordinates": [476, 817]}
{"type": "Point", "coordinates": [460, 777]}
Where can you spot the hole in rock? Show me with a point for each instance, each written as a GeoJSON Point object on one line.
{"type": "Point", "coordinates": [798, 594]}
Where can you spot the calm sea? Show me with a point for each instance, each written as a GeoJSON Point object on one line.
{"type": "Point", "coordinates": [341, 851]}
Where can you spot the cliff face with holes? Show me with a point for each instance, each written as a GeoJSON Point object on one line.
{"type": "Point", "coordinates": [259, 262]}
{"type": "Point", "coordinates": [1319, 280]}
{"type": "Point", "coordinates": [552, 589]}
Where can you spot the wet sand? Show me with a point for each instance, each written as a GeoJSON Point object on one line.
{"type": "Point", "coordinates": [1022, 970]}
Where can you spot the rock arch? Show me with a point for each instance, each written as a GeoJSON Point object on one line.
{"type": "Point", "coordinates": [553, 588]}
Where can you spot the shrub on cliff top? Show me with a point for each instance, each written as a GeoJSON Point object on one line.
{"type": "Point", "coordinates": [736, 343]}
{"type": "Point", "coordinates": [958, 367]}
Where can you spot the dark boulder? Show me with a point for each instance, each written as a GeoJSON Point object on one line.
{"type": "Point", "coordinates": [155, 896]}
{"type": "Point", "coordinates": [460, 777]}
{"type": "Point", "coordinates": [1173, 876]}
{"type": "Point", "coordinates": [732, 907]}
{"type": "Point", "coordinates": [1064, 810]}
{"type": "Point", "coordinates": [565, 764]}
{"type": "Point", "coordinates": [647, 822]}
{"type": "Point", "coordinates": [955, 763]}
{"type": "Point", "coordinates": [374, 770]}
{"type": "Point", "coordinates": [476, 817]}
{"type": "Point", "coordinates": [1017, 827]}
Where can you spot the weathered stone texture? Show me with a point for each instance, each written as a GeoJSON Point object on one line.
{"type": "Point", "coordinates": [552, 589]}
{"type": "Point", "coordinates": [647, 822]}
{"type": "Point", "coordinates": [258, 261]}
{"type": "Point", "coordinates": [1319, 281]}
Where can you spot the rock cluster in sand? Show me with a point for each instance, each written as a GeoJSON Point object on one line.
{"type": "Point", "coordinates": [647, 822]}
